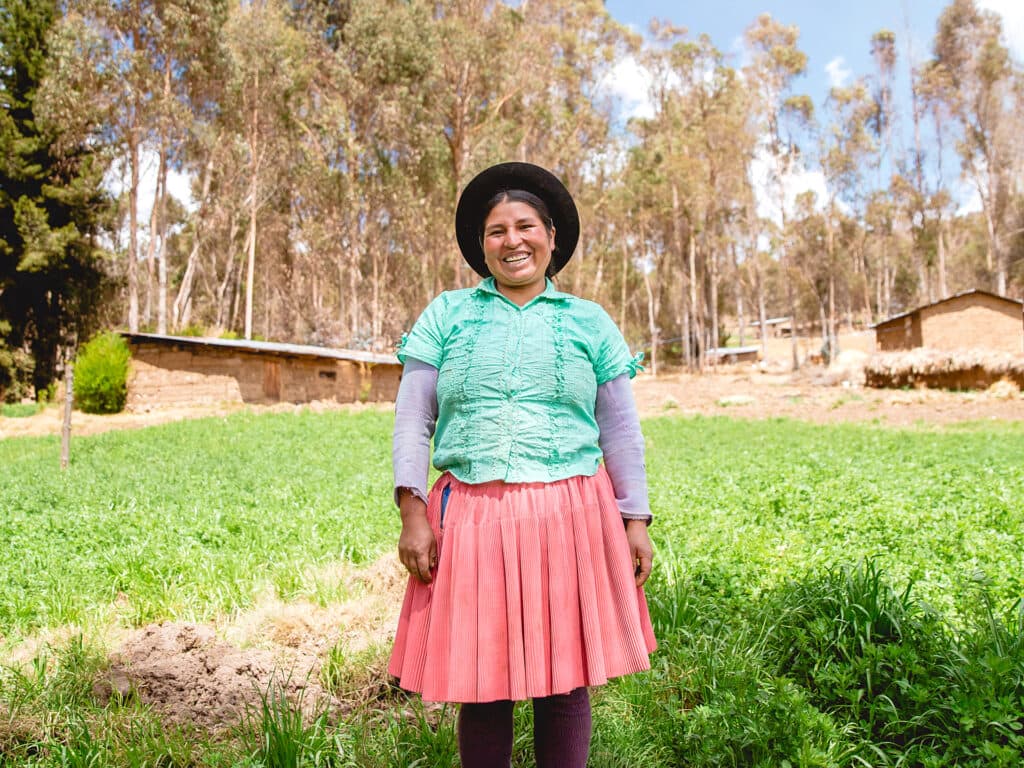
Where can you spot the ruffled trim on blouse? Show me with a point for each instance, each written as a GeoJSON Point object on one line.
{"type": "Point", "coordinates": [633, 367]}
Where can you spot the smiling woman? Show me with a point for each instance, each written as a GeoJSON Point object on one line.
{"type": "Point", "coordinates": [528, 557]}
{"type": "Point", "coordinates": [517, 240]}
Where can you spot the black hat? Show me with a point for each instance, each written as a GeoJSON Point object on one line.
{"type": "Point", "coordinates": [469, 214]}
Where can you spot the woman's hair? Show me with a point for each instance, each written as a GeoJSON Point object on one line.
{"type": "Point", "coordinates": [520, 196]}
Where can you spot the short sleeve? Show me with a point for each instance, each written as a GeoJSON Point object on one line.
{"type": "Point", "coordinates": [425, 341]}
{"type": "Point", "coordinates": [612, 357]}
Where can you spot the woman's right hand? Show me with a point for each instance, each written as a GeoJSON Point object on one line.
{"type": "Point", "coordinates": [417, 548]}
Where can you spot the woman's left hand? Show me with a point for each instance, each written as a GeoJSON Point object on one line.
{"type": "Point", "coordinates": [640, 550]}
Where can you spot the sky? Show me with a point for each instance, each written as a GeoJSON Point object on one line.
{"type": "Point", "coordinates": [836, 36]}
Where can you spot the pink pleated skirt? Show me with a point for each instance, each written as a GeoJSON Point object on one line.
{"type": "Point", "coordinates": [533, 594]}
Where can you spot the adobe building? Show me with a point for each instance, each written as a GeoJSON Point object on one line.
{"type": "Point", "coordinates": [970, 320]}
{"type": "Point", "coordinates": [169, 371]}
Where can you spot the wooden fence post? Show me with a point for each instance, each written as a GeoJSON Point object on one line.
{"type": "Point", "coordinates": [69, 398]}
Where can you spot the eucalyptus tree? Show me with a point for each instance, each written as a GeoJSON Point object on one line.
{"type": "Point", "coordinates": [186, 55]}
{"type": "Point", "coordinates": [884, 53]}
{"type": "Point", "coordinates": [846, 149]}
{"type": "Point", "coordinates": [369, 166]}
{"type": "Point", "coordinates": [481, 54]}
{"type": "Point", "coordinates": [104, 83]}
{"type": "Point", "coordinates": [972, 69]}
{"type": "Point", "coordinates": [566, 122]}
{"type": "Point", "coordinates": [775, 62]}
{"type": "Point", "coordinates": [267, 74]}
{"type": "Point", "coordinates": [699, 150]}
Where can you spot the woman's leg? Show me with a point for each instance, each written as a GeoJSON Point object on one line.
{"type": "Point", "coordinates": [561, 730]}
{"type": "Point", "coordinates": [485, 734]}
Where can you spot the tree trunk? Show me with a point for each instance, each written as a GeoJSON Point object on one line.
{"type": "Point", "coordinates": [652, 308]}
{"type": "Point", "coordinates": [833, 334]}
{"type": "Point", "coordinates": [713, 298]}
{"type": "Point", "coordinates": [225, 300]}
{"type": "Point", "coordinates": [161, 233]}
{"type": "Point", "coordinates": [741, 320]}
{"type": "Point", "coordinates": [941, 248]}
{"type": "Point", "coordinates": [250, 268]}
{"type": "Point", "coordinates": [762, 314]}
{"type": "Point", "coordinates": [625, 276]}
{"type": "Point", "coordinates": [795, 348]}
{"type": "Point", "coordinates": [181, 309]}
{"type": "Point", "coordinates": [254, 149]}
{"type": "Point", "coordinates": [147, 306]}
{"type": "Point", "coordinates": [133, 223]}
{"type": "Point", "coordinates": [697, 326]}
{"type": "Point", "coordinates": [823, 319]}
{"type": "Point", "coordinates": [69, 400]}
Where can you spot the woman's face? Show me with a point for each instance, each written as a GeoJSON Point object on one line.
{"type": "Point", "coordinates": [517, 247]}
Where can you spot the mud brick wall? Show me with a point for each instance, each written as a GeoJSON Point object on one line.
{"type": "Point", "coordinates": [901, 333]}
{"type": "Point", "coordinates": [974, 321]}
{"type": "Point", "coordinates": [172, 375]}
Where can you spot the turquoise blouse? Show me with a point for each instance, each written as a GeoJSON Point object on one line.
{"type": "Point", "coordinates": [516, 386]}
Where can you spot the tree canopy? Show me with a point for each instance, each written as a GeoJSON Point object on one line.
{"type": "Point", "coordinates": [52, 208]}
{"type": "Point", "coordinates": [325, 143]}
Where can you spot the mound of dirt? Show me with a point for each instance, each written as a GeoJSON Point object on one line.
{"type": "Point", "coordinates": [191, 678]}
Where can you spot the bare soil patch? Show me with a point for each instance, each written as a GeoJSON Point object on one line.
{"type": "Point", "coordinates": [191, 678]}
{"type": "Point", "coordinates": [49, 420]}
{"type": "Point", "coordinates": [214, 676]}
{"type": "Point", "coordinates": [813, 394]}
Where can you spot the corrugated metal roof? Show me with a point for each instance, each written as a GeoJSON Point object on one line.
{"type": "Point", "coordinates": [943, 301]}
{"type": "Point", "coordinates": [303, 350]}
{"type": "Point", "coordinates": [725, 351]}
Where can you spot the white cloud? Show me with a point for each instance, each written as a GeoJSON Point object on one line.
{"type": "Point", "coordinates": [794, 183]}
{"type": "Point", "coordinates": [969, 199]}
{"type": "Point", "coordinates": [629, 84]}
{"type": "Point", "coordinates": [838, 73]}
{"type": "Point", "coordinates": [1012, 12]}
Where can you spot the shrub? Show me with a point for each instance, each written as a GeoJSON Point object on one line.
{"type": "Point", "coordinates": [101, 374]}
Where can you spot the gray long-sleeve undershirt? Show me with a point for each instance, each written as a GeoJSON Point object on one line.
{"type": "Point", "coordinates": [620, 438]}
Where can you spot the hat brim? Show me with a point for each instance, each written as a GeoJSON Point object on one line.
{"type": "Point", "coordinates": [469, 213]}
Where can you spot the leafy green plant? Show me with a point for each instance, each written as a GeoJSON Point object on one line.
{"type": "Point", "coordinates": [101, 374]}
{"type": "Point", "coordinates": [788, 633]}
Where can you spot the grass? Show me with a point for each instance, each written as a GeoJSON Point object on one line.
{"type": "Point", "coordinates": [20, 410]}
{"type": "Point", "coordinates": [823, 596]}
{"type": "Point", "coordinates": [189, 519]}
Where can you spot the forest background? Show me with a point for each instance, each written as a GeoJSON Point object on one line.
{"type": "Point", "coordinates": [326, 143]}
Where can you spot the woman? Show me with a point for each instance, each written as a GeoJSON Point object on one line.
{"type": "Point", "coordinates": [527, 557]}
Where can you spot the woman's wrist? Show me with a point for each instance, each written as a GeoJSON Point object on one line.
{"type": "Point", "coordinates": [409, 503]}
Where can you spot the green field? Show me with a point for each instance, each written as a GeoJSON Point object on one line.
{"type": "Point", "coordinates": [841, 595]}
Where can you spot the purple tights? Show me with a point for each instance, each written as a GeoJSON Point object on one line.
{"type": "Point", "coordinates": [561, 732]}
